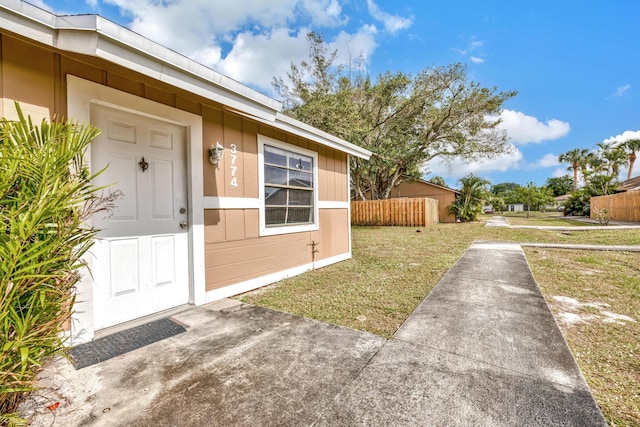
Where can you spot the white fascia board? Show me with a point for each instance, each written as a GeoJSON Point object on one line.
{"type": "Point", "coordinates": [27, 20]}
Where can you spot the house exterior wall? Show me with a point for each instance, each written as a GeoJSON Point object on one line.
{"type": "Point", "coordinates": [420, 189]}
{"type": "Point", "coordinates": [235, 253]}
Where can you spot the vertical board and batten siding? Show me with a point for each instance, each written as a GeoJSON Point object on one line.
{"type": "Point", "coordinates": [620, 207]}
{"type": "Point", "coordinates": [36, 77]}
{"type": "Point", "coordinates": [414, 212]}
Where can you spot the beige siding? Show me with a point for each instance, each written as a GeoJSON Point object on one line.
{"type": "Point", "coordinates": [250, 256]}
{"type": "Point", "coordinates": [233, 262]}
{"type": "Point", "coordinates": [28, 77]}
{"type": "Point", "coordinates": [36, 77]}
{"type": "Point", "coordinates": [332, 236]}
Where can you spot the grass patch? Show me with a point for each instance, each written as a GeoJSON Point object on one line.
{"type": "Point", "coordinates": [378, 288]}
{"type": "Point", "coordinates": [595, 297]}
{"type": "Point", "coordinates": [394, 268]}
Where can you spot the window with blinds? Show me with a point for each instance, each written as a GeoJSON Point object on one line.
{"type": "Point", "coordinates": [288, 187]}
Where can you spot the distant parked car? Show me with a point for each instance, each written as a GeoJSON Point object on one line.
{"type": "Point", "coordinates": [488, 211]}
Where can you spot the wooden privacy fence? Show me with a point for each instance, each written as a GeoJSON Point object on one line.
{"type": "Point", "coordinates": [620, 207]}
{"type": "Point", "coordinates": [414, 212]}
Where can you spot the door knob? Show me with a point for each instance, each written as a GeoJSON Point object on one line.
{"type": "Point", "coordinates": [183, 224]}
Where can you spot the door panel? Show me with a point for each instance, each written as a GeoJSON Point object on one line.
{"type": "Point", "coordinates": [141, 255]}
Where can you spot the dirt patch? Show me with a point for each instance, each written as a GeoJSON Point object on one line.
{"type": "Point", "coordinates": [572, 311]}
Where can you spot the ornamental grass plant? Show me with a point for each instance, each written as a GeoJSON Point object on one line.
{"type": "Point", "coordinates": [46, 196]}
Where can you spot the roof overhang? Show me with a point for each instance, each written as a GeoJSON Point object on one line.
{"type": "Point", "coordinates": [95, 36]}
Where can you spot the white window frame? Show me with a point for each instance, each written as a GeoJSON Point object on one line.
{"type": "Point", "coordinates": [285, 229]}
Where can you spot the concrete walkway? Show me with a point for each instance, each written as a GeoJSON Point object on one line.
{"type": "Point", "coordinates": [500, 221]}
{"type": "Point", "coordinates": [481, 349]}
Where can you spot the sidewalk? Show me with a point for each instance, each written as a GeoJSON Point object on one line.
{"type": "Point", "coordinates": [501, 221]}
{"type": "Point", "coordinates": [481, 349]}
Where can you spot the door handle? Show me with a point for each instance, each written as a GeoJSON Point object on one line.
{"type": "Point", "coordinates": [183, 224]}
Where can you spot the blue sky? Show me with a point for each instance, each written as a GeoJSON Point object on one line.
{"type": "Point", "coordinates": [575, 63]}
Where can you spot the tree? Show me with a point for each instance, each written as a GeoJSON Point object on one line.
{"type": "Point", "coordinates": [560, 185]}
{"type": "Point", "coordinates": [577, 159]}
{"type": "Point", "coordinates": [503, 187]}
{"type": "Point", "coordinates": [632, 146]}
{"type": "Point", "coordinates": [468, 205]}
{"type": "Point", "coordinates": [534, 197]}
{"type": "Point", "coordinates": [437, 180]}
{"type": "Point", "coordinates": [506, 191]}
{"type": "Point", "coordinates": [404, 121]}
{"type": "Point", "coordinates": [496, 202]}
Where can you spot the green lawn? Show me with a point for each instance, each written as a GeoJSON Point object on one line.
{"type": "Point", "coordinates": [394, 268]}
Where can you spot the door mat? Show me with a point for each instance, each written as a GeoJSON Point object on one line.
{"type": "Point", "coordinates": [122, 342]}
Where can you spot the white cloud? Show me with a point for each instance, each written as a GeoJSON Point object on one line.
{"type": "Point", "coordinates": [547, 161]}
{"type": "Point", "coordinates": [458, 168]}
{"type": "Point", "coordinates": [392, 23]}
{"type": "Point", "coordinates": [624, 137]}
{"type": "Point", "coordinates": [557, 173]}
{"type": "Point", "coordinates": [621, 90]}
{"type": "Point", "coordinates": [473, 50]}
{"type": "Point", "coordinates": [253, 41]}
{"type": "Point", "coordinates": [326, 13]}
{"type": "Point", "coordinates": [523, 129]}
{"type": "Point", "coordinates": [352, 47]}
{"type": "Point", "coordinates": [256, 59]}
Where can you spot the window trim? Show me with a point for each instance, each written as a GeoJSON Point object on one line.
{"type": "Point", "coordinates": [285, 229]}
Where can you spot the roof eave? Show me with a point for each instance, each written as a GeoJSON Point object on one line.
{"type": "Point", "coordinates": [95, 36]}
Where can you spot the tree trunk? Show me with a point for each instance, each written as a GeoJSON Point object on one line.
{"type": "Point", "coordinates": [632, 160]}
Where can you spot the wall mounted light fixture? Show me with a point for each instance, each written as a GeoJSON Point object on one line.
{"type": "Point", "coordinates": [215, 153]}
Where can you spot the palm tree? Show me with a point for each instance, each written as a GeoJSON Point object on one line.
{"type": "Point", "coordinates": [468, 205]}
{"type": "Point", "coordinates": [631, 146]}
{"type": "Point", "coordinates": [616, 157]}
{"type": "Point", "coordinates": [576, 158]}
{"type": "Point", "coordinates": [611, 157]}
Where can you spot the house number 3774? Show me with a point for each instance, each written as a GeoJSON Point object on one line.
{"type": "Point", "coordinates": [234, 156]}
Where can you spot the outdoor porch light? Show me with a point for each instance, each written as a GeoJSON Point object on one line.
{"type": "Point", "coordinates": [215, 153]}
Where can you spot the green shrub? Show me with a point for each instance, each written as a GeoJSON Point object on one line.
{"type": "Point", "coordinates": [45, 197]}
{"type": "Point", "coordinates": [578, 203]}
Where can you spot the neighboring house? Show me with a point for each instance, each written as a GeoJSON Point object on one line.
{"type": "Point", "coordinates": [420, 188]}
{"type": "Point", "coordinates": [560, 201]}
{"type": "Point", "coordinates": [632, 184]}
{"type": "Point", "coordinates": [188, 230]}
{"type": "Point", "coordinates": [516, 207]}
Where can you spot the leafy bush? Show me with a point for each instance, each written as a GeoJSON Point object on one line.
{"type": "Point", "coordinates": [578, 203]}
{"type": "Point", "coordinates": [45, 197]}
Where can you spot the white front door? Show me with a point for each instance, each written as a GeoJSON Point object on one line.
{"type": "Point", "coordinates": [141, 254]}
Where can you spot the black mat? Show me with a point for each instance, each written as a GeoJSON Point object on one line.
{"type": "Point", "coordinates": [122, 342]}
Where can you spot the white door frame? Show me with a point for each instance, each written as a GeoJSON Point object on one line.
{"type": "Point", "coordinates": [80, 95]}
